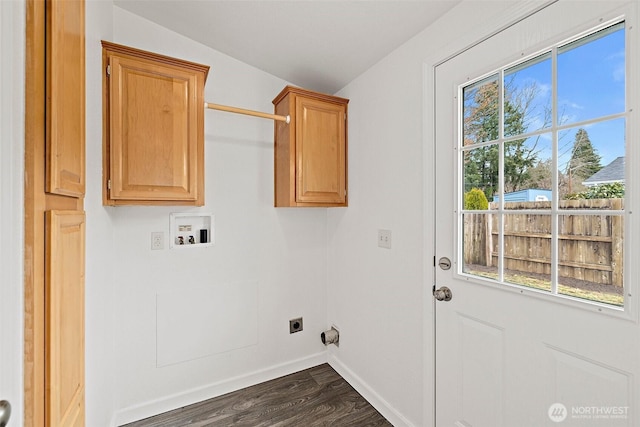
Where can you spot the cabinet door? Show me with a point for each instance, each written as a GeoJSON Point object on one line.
{"type": "Point", "coordinates": [65, 98]}
{"type": "Point", "coordinates": [320, 151]}
{"type": "Point", "coordinates": [153, 131]}
{"type": "Point", "coordinates": [64, 334]}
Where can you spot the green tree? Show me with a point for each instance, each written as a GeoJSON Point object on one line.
{"type": "Point", "coordinates": [475, 200]}
{"type": "Point", "coordinates": [541, 175]}
{"type": "Point", "coordinates": [481, 124]}
{"type": "Point", "coordinates": [584, 162]}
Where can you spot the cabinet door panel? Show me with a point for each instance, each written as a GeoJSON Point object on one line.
{"type": "Point", "coordinates": [320, 151]}
{"type": "Point", "coordinates": [153, 131]}
{"type": "Point", "coordinates": [65, 98]}
{"type": "Point", "coordinates": [64, 313]}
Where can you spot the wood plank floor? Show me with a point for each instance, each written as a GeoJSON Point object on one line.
{"type": "Point", "coordinates": [314, 397]}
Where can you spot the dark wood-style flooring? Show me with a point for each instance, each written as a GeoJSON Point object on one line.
{"type": "Point", "coordinates": [314, 397]}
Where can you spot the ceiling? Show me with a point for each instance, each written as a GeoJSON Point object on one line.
{"type": "Point", "coordinates": [317, 44]}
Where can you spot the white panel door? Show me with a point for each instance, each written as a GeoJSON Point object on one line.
{"type": "Point", "coordinates": [520, 343]}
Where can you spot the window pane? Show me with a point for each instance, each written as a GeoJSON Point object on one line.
{"type": "Point", "coordinates": [480, 176]}
{"type": "Point", "coordinates": [480, 245]}
{"type": "Point", "coordinates": [510, 183]}
{"type": "Point", "coordinates": [481, 107]}
{"type": "Point", "coordinates": [528, 171]}
{"type": "Point", "coordinates": [591, 76]}
{"type": "Point", "coordinates": [591, 161]}
{"type": "Point", "coordinates": [527, 250]}
{"type": "Point", "coordinates": [591, 253]}
{"type": "Point", "coordinates": [527, 96]}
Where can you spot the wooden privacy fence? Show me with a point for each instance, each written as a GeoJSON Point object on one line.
{"type": "Point", "coordinates": [590, 247]}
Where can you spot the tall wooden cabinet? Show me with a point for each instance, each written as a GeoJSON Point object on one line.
{"type": "Point", "coordinates": [153, 128]}
{"type": "Point", "coordinates": [310, 158]}
{"type": "Point", "coordinates": [54, 234]}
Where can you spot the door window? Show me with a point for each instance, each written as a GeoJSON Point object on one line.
{"type": "Point", "coordinates": [542, 171]}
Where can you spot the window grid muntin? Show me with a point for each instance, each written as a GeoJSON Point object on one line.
{"type": "Point", "coordinates": [554, 130]}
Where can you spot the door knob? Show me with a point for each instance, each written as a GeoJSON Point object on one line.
{"type": "Point", "coordinates": [443, 294]}
{"type": "Point", "coordinates": [5, 412]}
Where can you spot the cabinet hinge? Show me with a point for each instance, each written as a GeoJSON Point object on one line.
{"type": "Point", "coordinates": [108, 70]}
{"type": "Point", "coordinates": [108, 184]}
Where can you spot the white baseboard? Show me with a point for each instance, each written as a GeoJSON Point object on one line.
{"type": "Point", "coordinates": [381, 405]}
{"type": "Point", "coordinates": [188, 397]}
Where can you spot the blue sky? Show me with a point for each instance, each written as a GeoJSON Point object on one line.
{"type": "Point", "coordinates": [591, 84]}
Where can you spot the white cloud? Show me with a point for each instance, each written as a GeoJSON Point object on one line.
{"type": "Point", "coordinates": [619, 73]}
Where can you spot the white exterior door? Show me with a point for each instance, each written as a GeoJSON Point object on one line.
{"type": "Point", "coordinates": [526, 339]}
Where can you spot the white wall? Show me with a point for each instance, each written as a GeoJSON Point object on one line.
{"type": "Point", "coordinates": [12, 36]}
{"type": "Point", "coordinates": [275, 257]}
{"type": "Point", "coordinates": [100, 292]}
{"type": "Point", "coordinates": [376, 293]}
{"type": "Point", "coordinates": [381, 299]}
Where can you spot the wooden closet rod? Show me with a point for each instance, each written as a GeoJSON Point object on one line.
{"type": "Point", "coordinates": [286, 118]}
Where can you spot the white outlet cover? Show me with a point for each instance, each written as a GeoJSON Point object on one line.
{"type": "Point", "coordinates": [384, 239]}
{"type": "Point", "coordinates": [157, 240]}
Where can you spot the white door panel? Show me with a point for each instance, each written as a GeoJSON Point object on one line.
{"type": "Point", "coordinates": [513, 356]}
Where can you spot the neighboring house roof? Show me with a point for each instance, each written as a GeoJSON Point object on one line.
{"type": "Point", "coordinates": [613, 172]}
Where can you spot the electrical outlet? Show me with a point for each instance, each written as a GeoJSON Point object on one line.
{"type": "Point", "coordinates": [295, 325]}
{"type": "Point", "coordinates": [384, 239]}
{"type": "Point", "coordinates": [157, 240]}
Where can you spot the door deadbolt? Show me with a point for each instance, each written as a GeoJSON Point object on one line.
{"type": "Point", "coordinates": [444, 263]}
{"type": "Point", "coordinates": [443, 294]}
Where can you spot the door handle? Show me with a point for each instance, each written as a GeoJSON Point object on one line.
{"type": "Point", "coordinates": [443, 294]}
{"type": "Point", "coordinates": [5, 413]}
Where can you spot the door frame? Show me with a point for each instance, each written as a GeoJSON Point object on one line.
{"type": "Point", "coordinates": [476, 34]}
{"type": "Point", "coordinates": [12, 17]}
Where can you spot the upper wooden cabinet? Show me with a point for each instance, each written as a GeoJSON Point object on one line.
{"type": "Point", "coordinates": [311, 151]}
{"type": "Point", "coordinates": [153, 113]}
